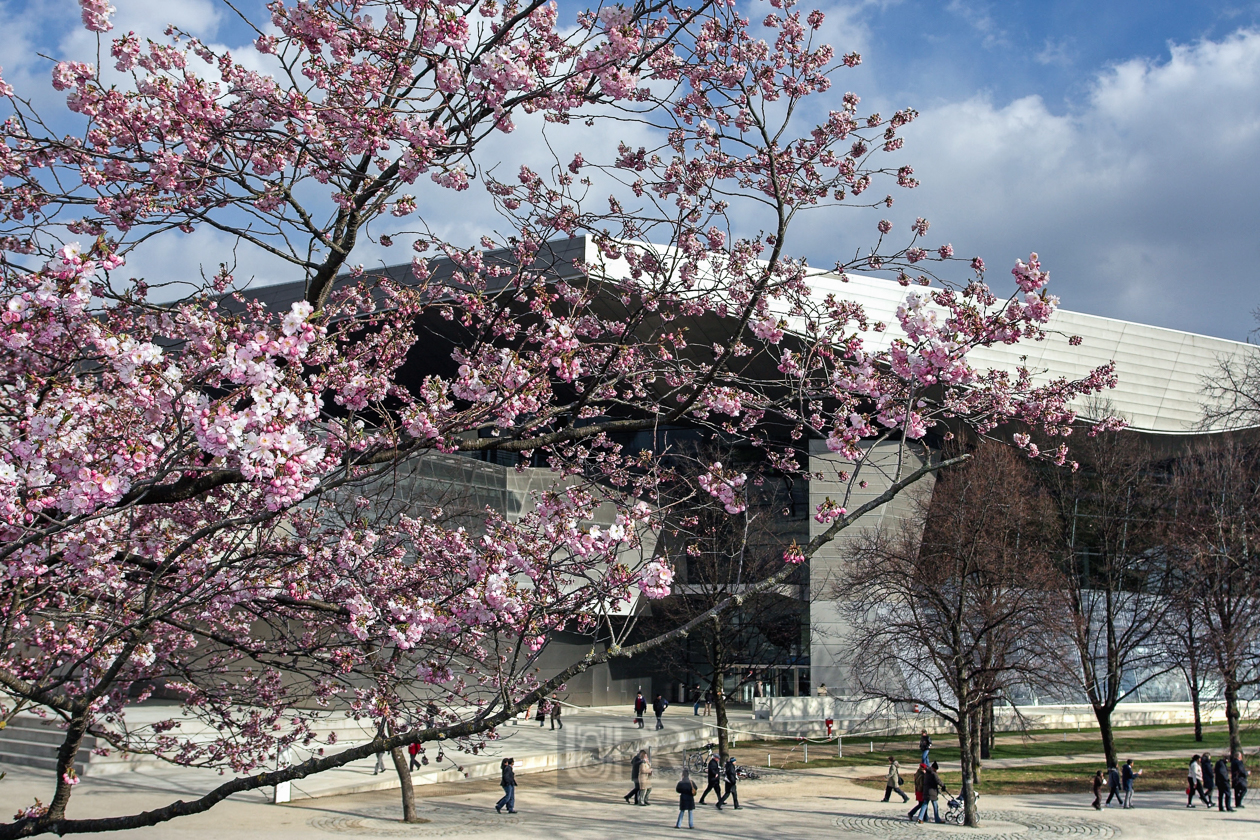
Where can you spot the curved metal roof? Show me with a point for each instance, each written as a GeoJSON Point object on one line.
{"type": "Point", "coordinates": [1161, 372]}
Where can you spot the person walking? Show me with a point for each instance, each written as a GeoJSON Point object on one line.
{"type": "Point", "coordinates": [731, 777]}
{"type": "Point", "coordinates": [932, 788]}
{"type": "Point", "coordinates": [713, 770]}
{"type": "Point", "coordinates": [1113, 786]}
{"type": "Point", "coordinates": [697, 697]}
{"type": "Point", "coordinates": [507, 781]}
{"type": "Point", "coordinates": [1238, 775]}
{"type": "Point", "coordinates": [640, 706]}
{"type": "Point", "coordinates": [686, 799]}
{"type": "Point", "coordinates": [1205, 764]}
{"type": "Point", "coordinates": [1223, 787]}
{"type": "Point", "coordinates": [542, 712]}
{"type": "Point", "coordinates": [636, 766]}
{"type": "Point", "coordinates": [1098, 786]}
{"type": "Point", "coordinates": [645, 776]}
{"type": "Point", "coordinates": [1127, 775]}
{"type": "Point", "coordinates": [556, 723]}
{"type": "Point", "coordinates": [920, 774]}
{"type": "Point", "coordinates": [659, 705]}
{"type": "Point", "coordinates": [414, 751]}
{"type": "Point", "coordinates": [1194, 781]}
{"type": "Point", "coordinates": [894, 781]}
{"type": "Point", "coordinates": [925, 746]}
{"type": "Point", "coordinates": [708, 701]}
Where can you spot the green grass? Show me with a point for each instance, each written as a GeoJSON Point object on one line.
{"type": "Point", "coordinates": [1128, 741]}
{"type": "Point", "coordinates": [1074, 780]}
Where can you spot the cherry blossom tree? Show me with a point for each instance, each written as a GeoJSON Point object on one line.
{"type": "Point", "coordinates": [191, 481]}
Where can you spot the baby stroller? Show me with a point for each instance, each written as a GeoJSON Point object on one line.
{"type": "Point", "coordinates": [955, 815]}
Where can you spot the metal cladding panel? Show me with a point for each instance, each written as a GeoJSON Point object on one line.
{"type": "Point", "coordinates": [1160, 372]}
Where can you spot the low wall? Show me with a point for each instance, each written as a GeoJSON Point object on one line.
{"type": "Point", "coordinates": [807, 716]}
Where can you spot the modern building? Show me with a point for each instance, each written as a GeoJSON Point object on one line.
{"type": "Point", "coordinates": [1161, 373]}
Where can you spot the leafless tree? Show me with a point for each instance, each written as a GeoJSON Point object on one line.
{"type": "Point", "coordinates": [1115, 595]}
{"type": "Point", "coordinates": [947, 609]}
{"type": "Point", "coordinates": [1218, 519]}
{"type": "Point", "coordinates": [718, 556]}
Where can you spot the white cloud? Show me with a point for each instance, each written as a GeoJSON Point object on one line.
{"type": "Point", "coordinates": [1140, 200]}
{"type": "Point", "coordinates": [1056, 53]}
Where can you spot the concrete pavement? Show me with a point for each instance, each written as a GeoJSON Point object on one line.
{"type": "Point", "coordinates": [585, 804]}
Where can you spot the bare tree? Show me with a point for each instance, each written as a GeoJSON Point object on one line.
{"type": "Point", "coordinates": [947, 610]}
{"type": "Point", "coordinates": [719, 556]}
{"type": "Point", "coordinates": [1218, 519]}
{"type": "Point", "coordinates": [1114, 599]}
{"type": "Point", "coordinates": [1190, 649]}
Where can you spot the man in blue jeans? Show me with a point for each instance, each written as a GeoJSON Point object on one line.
{"type": "Point", "coordinates": [933, 787]}
{"type": "Point", "coordinates": [925, 746]}
{"type": "Point", "coordinates": [508, 782]}
{"type": "Point", "coordinates": [1127, 774]}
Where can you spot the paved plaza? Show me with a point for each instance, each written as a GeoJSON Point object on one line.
{"type": "Point", "coordinates": [570, 786]}
{"type": "Point", "coordinates": [585, 804]}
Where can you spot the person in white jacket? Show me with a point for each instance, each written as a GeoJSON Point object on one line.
{"type": "Point", "coordinates": [1194, 783]}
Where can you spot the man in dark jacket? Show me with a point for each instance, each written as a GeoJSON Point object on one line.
{"type": "Point", "coordinates": [1223, 786]}
{"type": "Point", "coordinates": [640, 706]}
{"type": "Point", "coordinates": [556, 723]}
{"type": "Point", "coordinates": [714, 771]}
{"type": "Point", "coordinates": [659, 705]}
{"type": "Point", "coordinates": [1208, 777]}
{"type": "Point", "coordinates": [731, 777]}
{"type": "Point", "coordinates": [1113, 785]}
{"type": "Point", "coordinates": [507, 781]}
{"type": "Point", "coordinates": [1127, 776]}
{"type": "Point", "coordinates": [925, 745]}
{"type": "Point", "coordinates": [635, 764]}
{"type": "Point", "coordinates": [1239, 773]}
{"type": "Point", "coordinates": [933, 787]}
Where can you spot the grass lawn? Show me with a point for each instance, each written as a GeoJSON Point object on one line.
{"type": "Point", "coordinates": [789, 754]}
{"type": "Point", "coordinates": [1073, 780]}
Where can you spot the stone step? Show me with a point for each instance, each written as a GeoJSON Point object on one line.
{"type": "Point", "coordinates": [40, 762]}
{"type": "Point", "coordinates": [15, 746]}
{"type": "Point", "coordinates": [39, 732]}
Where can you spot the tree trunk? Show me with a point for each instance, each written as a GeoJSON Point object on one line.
{"type": "Point", "coordinates": [719, 709]}
{"type": "Point", "coordinates": [974, 723]}
{"type": "Point", "coordinates": [986, 731]}
{"type": "Point", "coordinates": [1198, 717]}
{"type": "Point", "coordinates": [66, 754]}
{"type": "Point", "coordinates": [404, 781]}
{"type": "Point", "coordinates": [1231, 716]}
{"type": "Point", "coordinates": [968, 792]}
{"type": "Point", "coordinates": [1103, 714]}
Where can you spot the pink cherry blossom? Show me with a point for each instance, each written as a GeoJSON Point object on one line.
{"type": "Point", "coordinates": [257, 501]}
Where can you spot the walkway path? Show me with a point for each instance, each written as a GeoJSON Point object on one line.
{"type": "Point", "coordinates": [585, 804]}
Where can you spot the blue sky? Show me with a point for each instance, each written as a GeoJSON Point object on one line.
{"type": "Point", "coordinates": [1117, 139]}
{"type": "Point", "coordinates": [930, 50]}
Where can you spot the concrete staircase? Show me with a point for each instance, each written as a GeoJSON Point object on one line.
{"type": "Point", "coordinates": [29, 741]}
